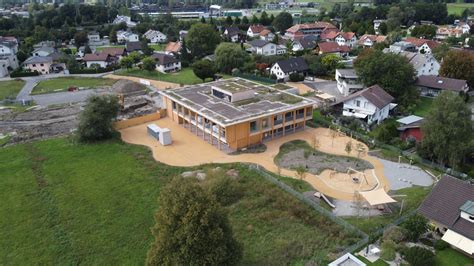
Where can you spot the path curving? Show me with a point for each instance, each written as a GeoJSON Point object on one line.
{"type": "Point", "coordinates": [188, 149]}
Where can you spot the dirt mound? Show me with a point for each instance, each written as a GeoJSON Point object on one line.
{"type": "Point", "coordinates": [127, 87]}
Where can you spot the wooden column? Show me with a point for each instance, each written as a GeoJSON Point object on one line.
{"type": "Point", "coordinates": [219, 138]}
{"type": "Point", "coordinates": [294, 121]}
{"type": "Point", "coordinates": [273, 122]}
{"type": "Point", "coordinates": [203, 128]}
{"type": "Point", "coordinates": [196, 123]}
{"type": "Point", "coordinates": [283, 123]}
{"type": "Point", "coordinates": [210, 135]}
{"type": "Point", "coordinates": [304, 120]}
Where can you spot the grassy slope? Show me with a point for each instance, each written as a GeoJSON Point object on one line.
{"type": "Point", "coordinates": [185, 76]}
{"type": "Point", "coordinates": [10, 88]}
{"type": "Point", "coordinates": [423, 107]}
{"type": "Point", "coordinates": [65, 203]}
{"type": "Point", "coordinates": [62, 84]}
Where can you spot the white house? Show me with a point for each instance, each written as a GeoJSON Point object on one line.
{"type": "Point", "coordinates": [262, 47]}
{"type": "Point", "coordinates": [307, 42]}
{"type": "Point", "coordinates": [98, 60]}
{"type": "Point", "coordinates": [424, 64]}
{"type": "Point", "coordinates": [254, 30]}
{"type": "Point", "coordinates": [267, 35]}
{"type": "Point", "coordinates": [155, 36]}
{"type": "Point", "coordinates": [423, 46]}
{"type": "Point", "coordinates": [372, 104]}
{"type": "Point", "coordinates": [377, 23]}
{"type": "Point", "coordinates": [124, 19]}
{"type": "Point", "coordinates": [348, 81]}
{"type": "Point", "coordinates": [282, 69]}
{"type": "Point", "coordinates": [346, 38]}
{"type": "Point", "coordinates": [8, 51]}
{"type": "Point", "coordinates": [126, 36]}
{"type": "Point", "coordinates": [232, 33]}
{"type": "Point", "coordinates": [43, 51]}
{"type": "Point", "coordinates": [93, 37]}
{"type": "Point", "coordinates": [368, 40]}
{"type": "Point", "coordinates": [166, 63]}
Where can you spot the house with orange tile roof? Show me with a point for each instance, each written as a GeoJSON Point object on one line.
{"type": "Point", "coordinates": [254, 30]}
{"type": "Point", "coordinates": [333, 48]}
{"type": "Point", "coordinates": [267, 35]}
{"type": "Point", "coordinates": [369, 40]}
{"type": "Point", "coordinates": [173, 47]}
{"type": "Point", "coordinates": [423, 46]}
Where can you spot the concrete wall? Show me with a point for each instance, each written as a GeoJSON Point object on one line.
{"type": "Point", "coordinates": [136, 121]}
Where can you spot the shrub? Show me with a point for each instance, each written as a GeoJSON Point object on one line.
{"type": "Point", "coordinates": [295, 77]}
{"type": "Point", "coordinates": [388, 250]}
{"type": "Point", "coordinates": [395, 234]}
{"type": "Point", "coordinates": [441, 245]}
{"type": "Point", "coordinates": [418, 256]}
{"type": "Point", "coordinates": [416, 225]}
{"type": "Point", "coordinates": [18, 74]}
{"type": "Point", "coordinates": [226, 190]}
{"type": "Point", "coordinates": [96, 121]}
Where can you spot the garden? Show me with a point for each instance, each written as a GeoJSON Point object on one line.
{"type": "Point", "coordinates": [64, 203]}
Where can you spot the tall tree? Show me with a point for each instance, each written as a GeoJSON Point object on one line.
{"type": "Point", "coordinates": [149, 63]}
{"type": "Point", "coordinates": [191, 228]}
{"type": "Point", "coordinates": [202, 40]}
{"type": "Point", "coordinates": [283, 21]}
{"type": "Point", "coordinates": [96, 121]}
{"type": "Point", "coordinates": [391, 71]}
{"type": "Point", "coordinates": [264, 19]}
{"type": "Point", "coordinates": [448, 130]}
{"type": "Point", "coordinates": [458, 65]}
{"type": "Point", "coordinates": [204, 69]}
{"type": "Point", "coordinates": [230, 56]}
{"type": "Point", "coordinates": [80, 38]}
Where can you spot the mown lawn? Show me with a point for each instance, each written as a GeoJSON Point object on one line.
{"type": "Point", "coordinates": [62, 84]}
{"type": "Point", "coordinates": [157, 46]}
{"type": "Point", "coordinates": [9, 89]}
{"type": "Point", "coordinates": [68, 203]}
{"type": "Point", "coordinates": [451, 257]}
{"type": "Point", "coordinates": [423, 107]}
{"type": "Point", "coordinates": [185, 76]}
{"type": "Point", "coordinates": [100, 48]}
{"type": "Point", "coordinates": [458, 8]}
{"type": "Point", "coordinates": [414, 197]}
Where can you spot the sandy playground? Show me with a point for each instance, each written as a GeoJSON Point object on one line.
{"type": "Point", "coordinates": [188, 149]}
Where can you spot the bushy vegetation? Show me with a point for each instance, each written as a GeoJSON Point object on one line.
{"type": "Point", "coordinates": [418, 256]}
{"type": "Point", "coordinates": [415, 226]}
{"type": "Point", "coordinates": [96, 121]}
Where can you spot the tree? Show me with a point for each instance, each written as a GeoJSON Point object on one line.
{"type": "Point", "coordinates": [360, 149]}
{"type": "Point", "coordinates": [264, 19]}
{"type": "Point", "coordinates": [135, 56]}
{"type": "Point", "coordinates": [96, 121]}
{"type": "Point", "coordinates": [383, 28]}
{"type": "Point", "coordinates": [245, 20]}
{"type": "Point", "coordinates": [348, 147]}
{"type": "Point", "coordinates": [87, 50]}
{"type": "Point", "coordinates": [283, 21]}
{"type": "Point", "coordinates": [80, 38]}
{"type": "Point", "coordinates": [204, 69]}
{"type": "Point", "coordinates": [230, 56]}
{"type": "Point", "coordinates": [331, 62]}
{"type": "Point", "coordinates": [228, 20]}
{"type": "Point", "coordinates": [415, 226]}
{"type": "Point", "coordinates": [447, 130]}
{"type": "Point", "coordinates": [202, 40]}
{"type": "Point", "coordinates": [424, 31]}
{"type": "Point", "coordinates": [471, 42]}
{"type": "Point", "coordinates": [301, 171]}
{"type": "Point", "coordinates": [418, 256]}
{"type": "Point", "coordinates": [390, 71]}
{"type": "Point", "coordinates": [126, 62]}
{"type": "Point", "coordinates": [458, 65]}
{"type": "Point", "coordinates": [149, 63]}
{"type": "Point", "coordinates": [191, 228]}
{"type": "Point", "coordinates": [185, 56]}
{"type": "Point", "coordinates": [147, 50]}
{"type": "Point", "coordinates": [440, 51]}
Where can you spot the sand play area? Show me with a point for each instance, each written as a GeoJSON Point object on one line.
{"type": "Point", "coordinates": [188, 149]}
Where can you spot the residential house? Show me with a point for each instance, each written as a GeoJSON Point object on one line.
{"type": "Point", "coordinates": [444, 32]}
{"type": "Point", "coordinates": [124, 19]}
{"type": "Point", "coordinates": [133, 47]}
{"type": "Point", "coordinates": [424, 64]}
{"type": "Point", "coordinates": [346, 38]}
{"type": "Point", "coordinates": [166, 63]}
{"type": "Point", "coordinates": [43, 51]}
{"type": "Point", "coordinates": [402, 46]}
{"type": "Point", "coordinates": [348, 81]}
{"type": "Point", "coordinates": [232, 33]}
{"type": "Point", "coordinates": [126, 36]}
{"type": "Point", "coordinates": [117, 52]}
{"type": "Point", "coordinates": [173, 48]}
{"type": "Point", "coordinates": [8, 51]}
{"type": "Point", "coordinates": [377, 23]}
{"type": "Point", "coordinates": [423, 46]}
{"type": "Point", "coordinates": [254, 30]}
{"type": "Point", "coordinates": [282, 69]}
{"type": "Point", "coordinates": [371, 104]}
{"type": "Point", "coordinates": [45, 43]}
{"type": "Point", "coordinates": [432, 86]}
{"type": "Point", "coordinates": [99, 60]}
{"type": "Point", "coordinates": [267, 35]}
{"type": "Point", "coordinates": [93, 37]}
{"type": "Point", "coordinates": [316, 28]}
{"type": "Point", "coordinates": [307, 42]}
{"type": "Point", "coordinates": [333, 48]}
{"type": "Point", "coordinates": [40, 64]}
{"type": "Point", "coordinates": [155, 36]}
{"type": "Point", "coordinates": [262, 47]}
{"type": "Point", "coordinates": [369, 40]}
{"type": "Point", "coordinates": [281, 49]}
{"type": "Point", "coordinates": [216, 112]}
{"type": "Point", "coordinates": [450, 210]}
{"type": "Point", "coordinates": [410, 128]}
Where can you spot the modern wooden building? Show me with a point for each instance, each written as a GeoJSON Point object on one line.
{"type": "Point", "coordinates": [237, 113]}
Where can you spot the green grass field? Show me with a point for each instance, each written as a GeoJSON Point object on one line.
{"type": "Point", "coordinates": [62, 84]}
{"type": "Point", "coordinates": [9, 89]}
{"type": "Point", "coordinates": [185, 76]}
{"type": "Point", "coordinates": [158, 46]}
{"type": "Point", "coordinates": [423, 107]}
{"type": "Point", "coordinates": [458, 8]}
{"type": "Point", "coordinates": [68, 203]}
{"type": "Point", "coordinates": [100, 48]}
{"type": "Point", "coordinates": [451, 257]}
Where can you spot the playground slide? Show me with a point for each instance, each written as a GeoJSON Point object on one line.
{"type": "Point", "coordinates": [321, 195]}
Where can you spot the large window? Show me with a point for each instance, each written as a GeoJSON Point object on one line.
{"type": "Point", "coordinates": [253, 126]}
{"type": "Point", "coordinates": [278, 119]}
{"type": "Point", "coordinates": [174, 105]}
{"type": "Point", "coordinates": [265, 123]}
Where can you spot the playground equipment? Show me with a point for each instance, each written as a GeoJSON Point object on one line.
{"type": "Point", "coordinates": [356, 179]}
{"type": "Point", "coordinates": [322, 196]}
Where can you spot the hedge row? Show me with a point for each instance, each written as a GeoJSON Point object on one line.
{"type": "Point", "coordinates": [23, 74]}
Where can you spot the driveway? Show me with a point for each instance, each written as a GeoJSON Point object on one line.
{"type": "Point", "coordinates": [188, 149]}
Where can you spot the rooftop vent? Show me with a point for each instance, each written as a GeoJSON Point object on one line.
{"type": "Point", "coordinates": [440, 82]}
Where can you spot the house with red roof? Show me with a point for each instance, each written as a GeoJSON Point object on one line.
{"type": "Point", "coordinates": [333, 48]}
{"type": "Point", "coordinates": [254, 30]}
{"type": "Point", "coordinates": [369, 40]}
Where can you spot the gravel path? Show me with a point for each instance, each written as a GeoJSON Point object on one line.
{"type": "Point", "coordinates": [405, 175]}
